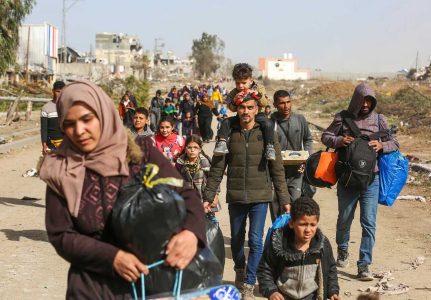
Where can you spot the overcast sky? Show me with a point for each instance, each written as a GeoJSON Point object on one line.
{"type": "Point", "coordinates": [332, 35]}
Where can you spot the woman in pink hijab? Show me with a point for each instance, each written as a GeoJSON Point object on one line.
{"type": "Point", "coordinates": [84, 177]}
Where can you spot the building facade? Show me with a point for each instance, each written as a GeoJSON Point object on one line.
{"type": "Point", "coordinates": [285, 68]}
{"type": "Point", "coordinates": [38, 49]}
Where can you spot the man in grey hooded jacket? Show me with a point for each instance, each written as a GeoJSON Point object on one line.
{"type": "Point", "coordinates": [339, 135]}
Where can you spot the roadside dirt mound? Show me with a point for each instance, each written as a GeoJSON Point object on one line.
{"type": "Point", "coordinates": [333, 90]}
{"type": "Point", "coordinates": [411, 105]}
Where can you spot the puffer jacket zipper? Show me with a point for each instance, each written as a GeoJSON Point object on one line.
{"type": "Point", "coordinates": [301, 274]}
{"type": "Point", "coordinates": [246, 138]}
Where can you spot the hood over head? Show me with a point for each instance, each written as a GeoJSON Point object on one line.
{"type": "Point", "coordinates": [361, 91]}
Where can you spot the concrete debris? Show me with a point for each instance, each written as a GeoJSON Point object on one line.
{"type": "Point", "coordinates": [2, 140]}
{"type": "Point", "coordinates": [421, 167]}
{"type": "Point", "coordinates": [30, 173]}
{"type": "Point", "coordinates": [383, 287]}
{"type": "Point", "coordinates": [411, 197]}
{"type": "Point", "coordinates": [417, 262]}
{"type": "Point", "coordinates": [411, 179]}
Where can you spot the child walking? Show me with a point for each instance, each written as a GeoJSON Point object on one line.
{"type": "Point", "coordinates": [194, 165]}
{"type": "Point", "coordinates": [298, 262]}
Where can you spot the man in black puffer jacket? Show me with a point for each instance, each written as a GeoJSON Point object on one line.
{"type": "Point", "coordinates": [298, 262]}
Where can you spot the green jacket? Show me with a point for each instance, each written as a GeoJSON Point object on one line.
{"type": "Point", "coordinates": [250, 176]}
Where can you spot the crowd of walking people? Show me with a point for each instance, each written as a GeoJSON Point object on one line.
{"type": "Point", "coordinates": [98, 157]}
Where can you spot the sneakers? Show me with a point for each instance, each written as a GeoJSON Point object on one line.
{"type": "Point", "coordinates": [247, 292]}
{"type": "Point", "coordinates": [270, 152]}
{"type": "Point", "coordinates": [364, 273]}
{"type": "Point", "coordinates": [221, 148]}
{"type": "Point", "coordinates": [239, 279]}
{"type": "Point", "coordinates": [342, 258]}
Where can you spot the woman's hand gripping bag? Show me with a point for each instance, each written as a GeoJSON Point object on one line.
{"type": "Point", "coordinates": [146, 215]}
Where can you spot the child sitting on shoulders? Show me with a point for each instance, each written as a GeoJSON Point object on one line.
{"type": "Point", "coordinates": [245, 88]}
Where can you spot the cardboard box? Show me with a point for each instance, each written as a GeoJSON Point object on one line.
{"type": "Point", "coordinates": [294, 157]}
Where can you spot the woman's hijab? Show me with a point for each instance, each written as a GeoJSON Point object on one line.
{"type": "Point", "coordinates": [207, 102]}
{"type": "Point", "coordinates": [64, 169]}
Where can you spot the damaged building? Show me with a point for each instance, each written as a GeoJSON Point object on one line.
{"type": "Point", "coordinates": [38, 51]}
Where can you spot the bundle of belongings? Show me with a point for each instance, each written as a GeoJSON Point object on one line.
{"type": "Point", "coordinates": [146, 215]}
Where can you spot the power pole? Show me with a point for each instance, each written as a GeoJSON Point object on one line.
{"type": "Point", "coordinates": [27, 75]}
{"type": "Point", "coordinates": [63, 34]}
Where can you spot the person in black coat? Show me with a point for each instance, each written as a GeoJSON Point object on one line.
{"type": "Point", "coordinates": [204, 111]}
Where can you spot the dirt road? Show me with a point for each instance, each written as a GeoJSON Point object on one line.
{"type": "Point", "coordinates": [30, 268]}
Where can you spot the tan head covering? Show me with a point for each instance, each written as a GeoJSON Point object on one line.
{"type": "Point", "coordinates": [64, 169]}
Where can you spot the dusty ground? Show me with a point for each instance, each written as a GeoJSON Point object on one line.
{"type": "Point", "coordinates": [30, 268]}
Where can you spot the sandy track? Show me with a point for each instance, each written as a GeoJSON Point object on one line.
{"type": "Point", "coordinates": [30, 268]}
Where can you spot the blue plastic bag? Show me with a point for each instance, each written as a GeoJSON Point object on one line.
{"type": "Point", "coordinates": [394, 169]}
{"type": "Point", "coordinates": [280, 222]}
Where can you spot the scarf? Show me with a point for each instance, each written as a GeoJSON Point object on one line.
{"type": "Point", "coordinates": [64, 169]}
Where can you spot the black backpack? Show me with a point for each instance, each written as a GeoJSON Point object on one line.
{"type": "Point", "coordinates": [355, 168]}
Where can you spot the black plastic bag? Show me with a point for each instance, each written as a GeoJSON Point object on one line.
{"type": "Point", "coordinates": [146, 215]}
{"type": "Point", "coordinates": [144, 218]}
{"type": "Point", "coordinates": [202, 272]}
{"type": "Point", "coordinates": [215, 240]}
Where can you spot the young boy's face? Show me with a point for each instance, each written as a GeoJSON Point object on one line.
{"type": "Point", "coordinates": [305, 228]}
{"type": "Point", "coordinates": [242, 84]}
{"type": "Point", "coordinates": [139, 121]}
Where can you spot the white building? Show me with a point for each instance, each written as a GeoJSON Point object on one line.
{"type": "Point", "coordinates": [37, 49]}
{"type": "Point", "coordinates": [285, 68]}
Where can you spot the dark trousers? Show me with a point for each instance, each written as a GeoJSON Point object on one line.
{"type": "Point", "coordinates": [266, 125]}
{"type": "Point", "coordinates": [294, 187]}
{"type": "Point", "coordinates": [205, 127]}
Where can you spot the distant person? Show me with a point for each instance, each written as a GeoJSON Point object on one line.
{"type": "Point", "coordinates": [173, 94]}
{"type": "Point", "coordinates": [50, 131]}
{"type": "Point", "coordinates": [216, 97]}
{"type": "Point", "coordinates": [156, 108]}
{"type": "Point", "coordinates": [223, 114]}
{"type": "Point", "coordinates": [205, 110]}
{"type": "Point", "coordinates": [126, 109]}
{"type": "Point", "coordinates": [188, 125]}
{"type": "Point", "coordinates": [187, 105]}
{"type": "Point", "coordinates": [339, 136]}
{"type": "Point", "coordinates": [132, 98]}
{"type": "Point", "coordinates": [169, 108]}
{"type": "Point", "coordinates": [268, 111]}
{"type": "Point", "coordinates": [140, 126]}
{"type": "Point", "coordinates": [294, 134]}
{"type": "Point", "coordinates": [298, 263]}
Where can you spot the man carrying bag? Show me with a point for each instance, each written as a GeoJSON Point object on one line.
{"type": "Point", "coordinates": [350, 190]}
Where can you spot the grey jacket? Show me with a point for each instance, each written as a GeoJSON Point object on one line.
{"type": "Point", "coordinates": [297, 128]}
{"type": "Point", "coordinates": [299, 136]}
